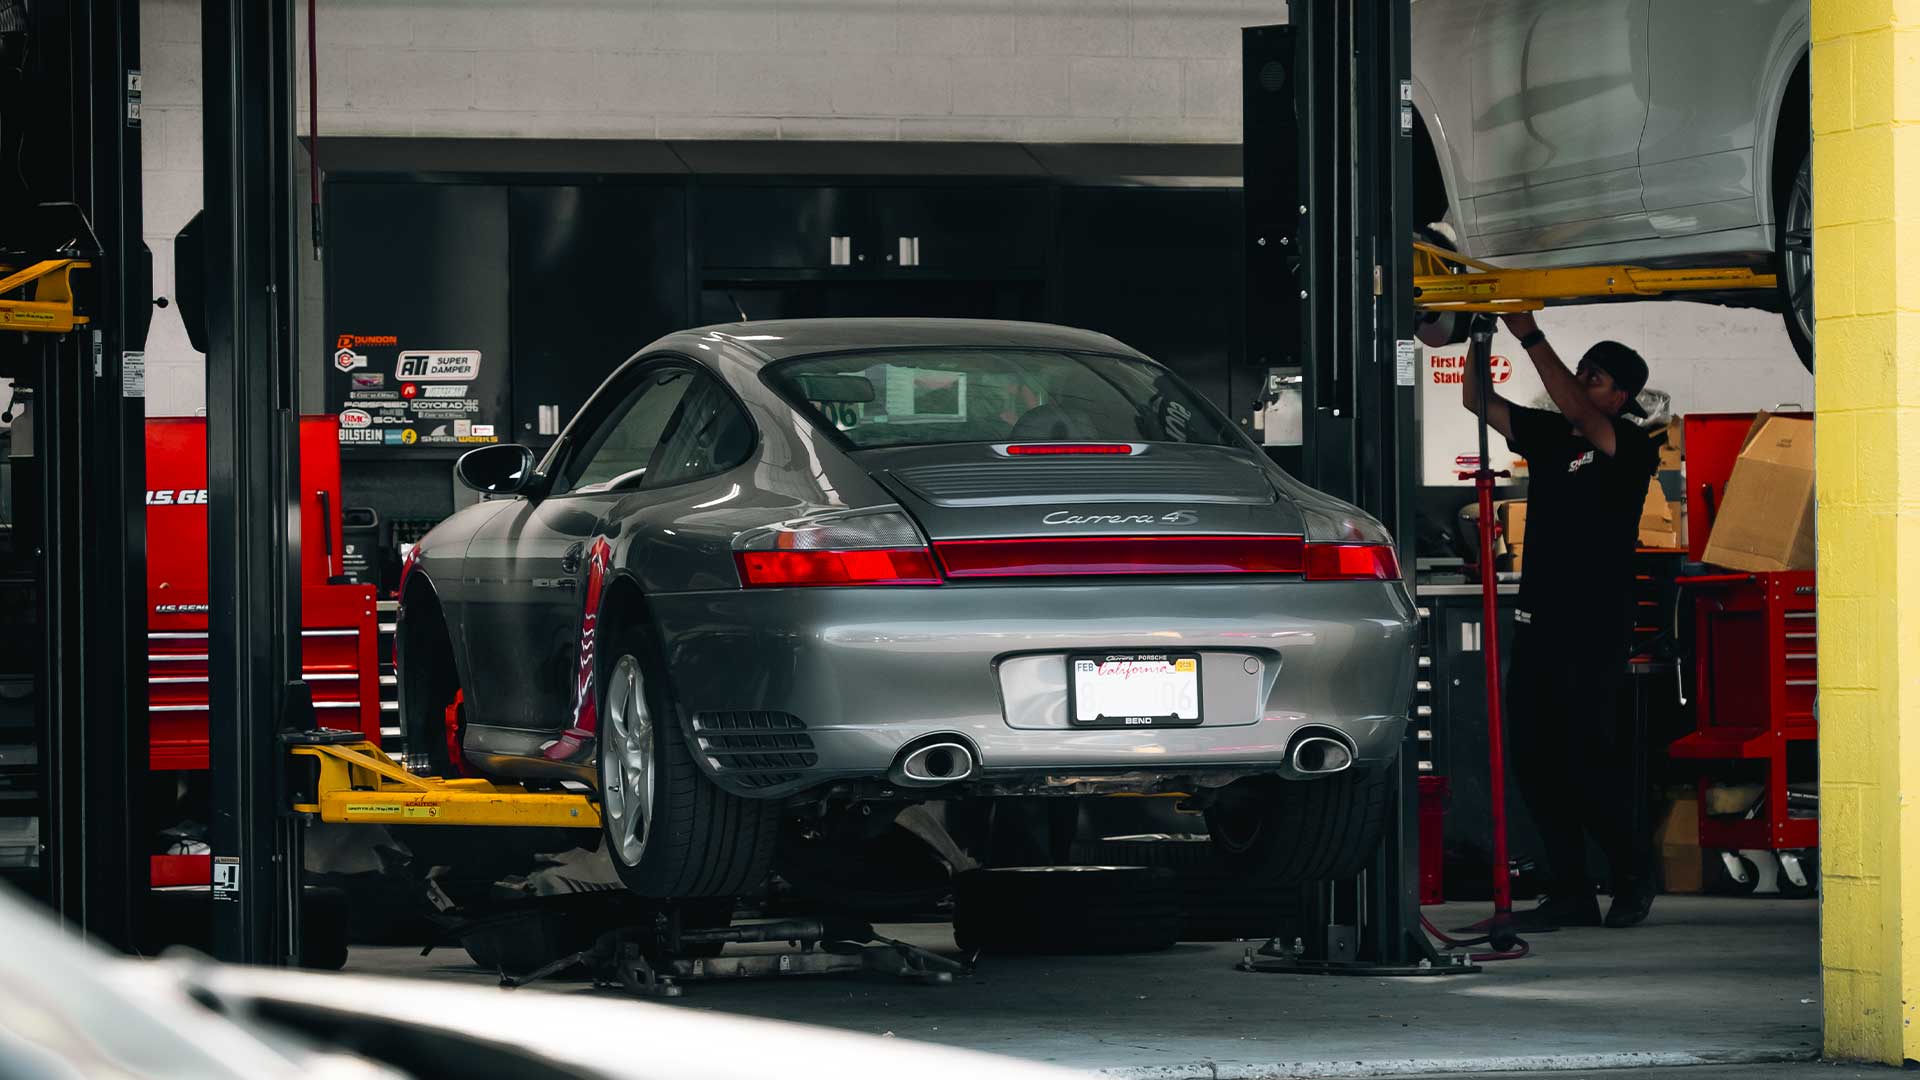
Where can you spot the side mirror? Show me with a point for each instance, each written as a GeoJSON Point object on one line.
{"type": "Point", "coordinates": [502, 469]}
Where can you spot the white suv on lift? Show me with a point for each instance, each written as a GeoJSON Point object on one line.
{"type": "Point", "coordinates": [1653, 132]}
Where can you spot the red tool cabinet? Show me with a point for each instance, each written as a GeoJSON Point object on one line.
{"type": "Point", "coordinates": [1754, 683]}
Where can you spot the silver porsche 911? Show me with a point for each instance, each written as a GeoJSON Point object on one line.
{"type": "Point", "coordinates": [775, 567]}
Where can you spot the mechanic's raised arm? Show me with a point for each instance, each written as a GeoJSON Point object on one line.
{"type": "Point", "coordinates": [1565, 390]}
{"type": "Point", "coordinates": [1499, 415]}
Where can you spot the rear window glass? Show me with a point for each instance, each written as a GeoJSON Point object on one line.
{"type": "Point", "coordinates": [920, 397]}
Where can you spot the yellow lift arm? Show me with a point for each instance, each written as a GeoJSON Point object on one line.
{"type": "Point", "coordinates": [356, 783]}
{"type": "Point", "coordinates": [1449, 281]}
{"type": "Point", "coordinates": [50, 308]}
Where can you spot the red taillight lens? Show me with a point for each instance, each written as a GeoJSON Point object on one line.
{"type": "Point", "coordinates": [1352, 562]}
{"type": "Point", "coordinates": [1050, 449]}
{"type": "Point", "coordinates": [1077, 556]}
{"type": "Point", "coordinates": [871, 566]}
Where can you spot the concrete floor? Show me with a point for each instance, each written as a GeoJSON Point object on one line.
{"type": "Point", "coordinates": [1706, 981]}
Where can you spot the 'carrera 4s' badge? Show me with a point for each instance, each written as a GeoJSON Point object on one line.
{"type": "Point", "coordinates": [1171, 517]}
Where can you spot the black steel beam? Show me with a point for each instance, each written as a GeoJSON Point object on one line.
{"type": "Point", "coordinates": [1345, 265]}
{"type": "Point", "coordinates": [89, 448]}
{"type": "Point", "coordinates": [252, 458]}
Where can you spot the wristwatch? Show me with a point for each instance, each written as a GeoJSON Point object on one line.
{"type": "Point", "coordinates": [1532, 338]}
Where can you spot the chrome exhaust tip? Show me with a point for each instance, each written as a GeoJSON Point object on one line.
{"type": "Point", "coordinates": [933, 763]}
{"type": "Point", "coordinates": [1318, 755]}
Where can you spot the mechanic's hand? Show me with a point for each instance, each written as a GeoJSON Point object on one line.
{"type": "Point", "coordinates": [1520, 323]}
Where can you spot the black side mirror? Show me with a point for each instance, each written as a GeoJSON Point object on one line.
{"type": "Point", "coordinates": [502, 469]}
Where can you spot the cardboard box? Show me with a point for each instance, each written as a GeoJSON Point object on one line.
{"type": "Point", "coordinates": [1765, 520]}
{"type": "Point", "coordinates": [1656, 519]}
{"type": "Point", "coordinates": [1512, 515]}
{"type": "Point", "coordinates": [1681, 867]}
{"type": "Point", "coordinates": [1672, 450]}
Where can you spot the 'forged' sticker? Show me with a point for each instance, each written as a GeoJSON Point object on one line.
{"type": "Point", "coordinates": [439, 366]}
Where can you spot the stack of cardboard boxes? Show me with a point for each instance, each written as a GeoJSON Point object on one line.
{"type": "Point", "coordinates": [1663, 517]}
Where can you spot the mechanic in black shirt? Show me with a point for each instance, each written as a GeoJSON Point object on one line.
{"type": "Point", "coordinates": [1587, 468]}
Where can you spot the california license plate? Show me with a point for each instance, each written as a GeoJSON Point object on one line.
{"type": "Point", "coordinates": [1134, 689]}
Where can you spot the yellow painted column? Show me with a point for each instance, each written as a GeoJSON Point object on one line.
{"type": "Point", "coordinates": [1866, 170]}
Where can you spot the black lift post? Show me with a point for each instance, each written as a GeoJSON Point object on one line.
{"type": "Point", "coordinates": [72, 190]}
{"type": "Point", "coordinates": [252, 459]}
{"type": "Point", "coordinates": [1328, 143]}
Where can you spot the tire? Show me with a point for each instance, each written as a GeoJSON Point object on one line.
{"type": "Point", "coordinates": [1810, 863]}
{"type": "Point", "coordinates": [1793, 255]}
{"type": "Point", "coordinates": [1294, 832]}
{"type": "Point", "coordinates": [672, 834]}
{"type": "Point", "coordinates": [1065, 910]}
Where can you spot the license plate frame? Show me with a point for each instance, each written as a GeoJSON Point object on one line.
{"type": "Point", "coordinates": [1134, 721]}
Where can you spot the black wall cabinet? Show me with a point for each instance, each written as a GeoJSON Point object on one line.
{"type": "Point", "coordinates": [598, 273]}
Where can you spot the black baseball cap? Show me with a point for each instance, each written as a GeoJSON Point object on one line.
{"type": "Point", "coordinates": [1625, 367]}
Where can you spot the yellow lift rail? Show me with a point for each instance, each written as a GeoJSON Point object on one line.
{"type": "Point", "coordinates": [357, 783]}
{"type": "Point", "coordinates": [50, 309]}
{"type": "Point", "coordinates": [1449, 281]}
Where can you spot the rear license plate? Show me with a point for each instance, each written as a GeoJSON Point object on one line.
{"type": "Point", "coordinates": [1134, 689]}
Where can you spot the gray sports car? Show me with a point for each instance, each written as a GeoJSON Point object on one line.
{"type": "Point", "coordinates": [781, 569]}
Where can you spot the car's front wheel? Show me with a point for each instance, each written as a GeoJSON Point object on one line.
{"type": "Point", "coordinates": [671, 832]}
{"type": "Point", "coordinates": [1291, 832]}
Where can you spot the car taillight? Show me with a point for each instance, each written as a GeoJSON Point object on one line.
{"type": "Point", "coordinates": [883, 566]}
{"type": "Point", "coordinates": [1074, 556]}
{"type": "Point", "coordinates": [1352, 562]}
{"type": "Point", "coordinates": [870, 547]}
{"type": "Point", "coordinates": [1054, 449]}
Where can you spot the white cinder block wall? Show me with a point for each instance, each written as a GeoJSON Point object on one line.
{"type": "Point", "coordinates": [1018, 70]}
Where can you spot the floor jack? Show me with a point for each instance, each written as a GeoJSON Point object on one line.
{"type": "Point", "coordinates": [651, 961]}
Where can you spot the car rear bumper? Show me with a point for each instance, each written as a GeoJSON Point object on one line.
{"type": "Point", "coordinates": [788, 689]}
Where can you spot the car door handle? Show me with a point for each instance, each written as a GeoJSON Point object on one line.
{"type": "Point", "coordinates": [570, 562]}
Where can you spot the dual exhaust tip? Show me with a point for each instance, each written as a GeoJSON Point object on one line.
{"type": "Point", "coordinates": [945, 760]}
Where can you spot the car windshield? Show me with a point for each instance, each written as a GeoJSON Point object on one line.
{"type": "Point", "coordinates": [920, 397]}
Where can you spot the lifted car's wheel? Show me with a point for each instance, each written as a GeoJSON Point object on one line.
{"type": "Point", "coordinates": [1289, 832]}
{"type": "Point", "coordinates": [1065, 909]}
{"type": "Point", "coordinates": [671, 833]}
{"type": "Point", "coordinates": [1794, 250]}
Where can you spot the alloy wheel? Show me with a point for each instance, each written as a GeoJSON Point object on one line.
{"type": "Point", "coordinates": [626, 762]}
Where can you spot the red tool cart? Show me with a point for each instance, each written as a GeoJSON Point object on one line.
{"type": "Point", "coordinates": [339, 623]}
{"type": "Point", "coordinates": [1754, 681]}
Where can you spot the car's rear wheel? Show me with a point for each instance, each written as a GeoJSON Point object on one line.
{"type": "Point", "coordinates": [672, 834]}
{"type": "Point", "coordinates": [1794, 250]}
{"type": "Point", "coordinates": [1290, 832]}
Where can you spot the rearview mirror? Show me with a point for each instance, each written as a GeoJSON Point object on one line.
{"type": "Point", "coordinates": [502, 469]}
{"type": "Point", "coordinates": [836, 389]}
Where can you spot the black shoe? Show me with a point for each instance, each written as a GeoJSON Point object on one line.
{"type": "Point", "coordinates": [1556, 912]}
{"type": "Point", "coordinates": [1631, 903]}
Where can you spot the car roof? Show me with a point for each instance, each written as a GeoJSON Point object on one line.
{"type": "Point", "coordinates": [779, 339]}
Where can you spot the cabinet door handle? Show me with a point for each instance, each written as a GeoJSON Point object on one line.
{"type": "Point", "coordinates": [909, 251]}
{"type": "Point", "coordinates": [840, 250]}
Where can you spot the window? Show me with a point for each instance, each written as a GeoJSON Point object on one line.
{"type": "Point", "coordinates": [676, 424]}
{"type": "Point", "coordinates": [919, 397]}
{"type": "Point", "coordinates": [616, 455]}
{"type": "Point", "coordinates": [709, 434]}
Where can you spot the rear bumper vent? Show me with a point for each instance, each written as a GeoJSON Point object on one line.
{"type": "Point", "coordinates": [755, 749]}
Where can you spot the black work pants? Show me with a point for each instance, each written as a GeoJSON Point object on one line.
{"type": "Point", "coordinates": [1572, 752]}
